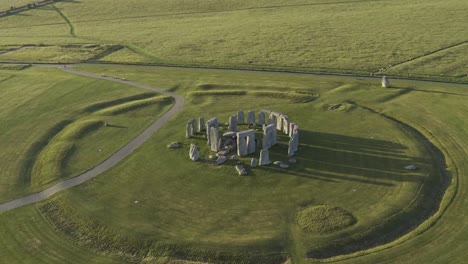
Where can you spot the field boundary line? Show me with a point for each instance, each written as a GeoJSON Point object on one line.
{"type": "Point", "coordinates": [68, 21]}
{"type": "Point", "coordinates": [383, 70]}
{"type": "Point", "coordinates": [115, 158]}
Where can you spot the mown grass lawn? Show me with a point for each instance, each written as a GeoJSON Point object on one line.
{"type": "Point", "coordinates": [33, 113]}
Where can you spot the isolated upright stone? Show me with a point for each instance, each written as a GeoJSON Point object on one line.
{"type": "Point", "coordinates": [201, 124]}
{"type": "Point", "coordinates": [264, 157]}
{"type": "Point", "coordinates": [233, 123]}
{"type": "Point", "coordinates": [214, 139]}
{"type": "Point", "coordinates": [240, 117]}
{"type": "Point", "coordinates": [194, 153]}
{"type": "Point", "coordinates": [385, 82]}
{"type": "Point", "coordinates": [251, 118]}
{"type": "Point", "coordinates": [261, 118]}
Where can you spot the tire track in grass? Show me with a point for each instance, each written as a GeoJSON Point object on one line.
{"type": "Point", "coordinates": [113, 160]}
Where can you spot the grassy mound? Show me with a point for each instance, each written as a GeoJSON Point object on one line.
{"type": "Point", "coordinates": [132, 105]}
{"type": "Point", "coordinates": [324, 219]}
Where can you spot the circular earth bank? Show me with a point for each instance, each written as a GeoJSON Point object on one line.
{"type": "Point", "coordinates": [350, 159]}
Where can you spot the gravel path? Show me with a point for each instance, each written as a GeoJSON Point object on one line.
{"type": "Point", "coordinates": [112, 160]}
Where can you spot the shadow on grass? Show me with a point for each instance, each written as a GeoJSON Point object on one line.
{"type": "Point", "coordinates": [116, 126]}
{"type": "Point", "coordinates": [335, 158]}
{"type": "Point", "coordinates": [399, 91]}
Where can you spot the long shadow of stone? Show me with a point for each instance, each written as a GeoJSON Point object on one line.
{"type": "Point", "coordinates": [333, 157]}
{"type": "Point", "coordinates": [423, 206]}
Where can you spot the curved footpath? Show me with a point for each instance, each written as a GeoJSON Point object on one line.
{"type": "Point", "coordinates": [112, 160]}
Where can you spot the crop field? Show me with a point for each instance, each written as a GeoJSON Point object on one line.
{"type": "Point", "coordinates": [326, 36]}
{"type": "Point", "coordinates": [6, 4]}
{"type": "Point", "coordinates": [94, 93]}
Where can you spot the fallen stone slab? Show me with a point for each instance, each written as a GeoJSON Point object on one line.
{"type": "Point", "coordinates": [221, 160]}
{"type": "Point", "coordinates": [175, 145]}
{"type": "Point", "coordinates": [241, 170]}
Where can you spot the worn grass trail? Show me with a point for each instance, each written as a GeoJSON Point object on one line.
{"type": "Point", "coordinates": [112, 160]}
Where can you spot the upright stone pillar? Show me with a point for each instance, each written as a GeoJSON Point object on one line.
{"type": "Point", "coordinates": [213, 122]}
{"type": "Point", "coordinates": [233, 123]}
{"type": "Point", "coordinates": [264, 157]}
{"type": "Point", "coordinates": [251, 118]}
{"type": "Point", "coordinates": [240, 117]}
{"type": "Point", "coordinates": [251, 143]}
{"type": "Point", "coordinates": [201, 124]}
{"type": "Point", "coordinates": [261, 118]}
{"type": "Point", "coordinates": [385, 82]}
{"type": "Point", "coordinates": [241, 146]}
{"type": "Point", "coordinates": [190, 128]}
{"type": "Point", "coordinates": [214, 139]}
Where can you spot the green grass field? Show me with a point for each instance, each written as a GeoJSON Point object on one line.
{"type": "Point", "coordinates": [6, 4]}
{"type": "Point", "coordinates": [348, 199]}
{"type": "Point", "coordinates": [40, 119]}
{"type": "Point", "coordinates": [306, 35]}
{"type": "Point", "coordinates": [351, 158]}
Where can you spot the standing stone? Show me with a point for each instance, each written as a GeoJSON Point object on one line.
{"type": "Point", "coordinates": [214, 139]}
{"type": "Point", "coordinates": [188, 131]}
{"type": "Point", "coordinates": [264, 157]}
{"type": "Point", "coordinates": [201, 124]}
{"type": "Point", "coordinates": [279, 122]}
{"type": "Point", "coordinates": [251, 143]}
{"type": "Point", "coordinates": [286, 123]}
{"type": "Point", "coordinates": [292, 126]}
{"type": "Point", "coordinates": [254, 162]}
{"type": "Point", "coordinates": [245, 142]}
{"type": "Point", "coordinates": [385, 82]}
{"type": "Point", "coordinates": [274, 136]}
{"type": "Point", "coordinates": [261, 118]}
{"type": "Point", "coordinates": [194, 153]}
{"type": "Point", "coordinates": [273, 118]}
{"type": "Point", "coordinates": [240, 117]}
{"type": "Point", "coordinates": [190, 128]}
{"type": "Point", "coordinates": [233, 123]}
{"type": "Point", "coordinates": [269, 136]}
{"type": "Point", "coordinates": [251, 118]}
{"type": "Point", "coordinates": [213, 122]}
{"type": "Point", "coordinates": [241, 146]}
{"type": "Point", "coordinates": [296, 140]}
{"type": "Point", "coordinates": [291, 147]}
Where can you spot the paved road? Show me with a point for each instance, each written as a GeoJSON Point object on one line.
{"type": "Point", "coordinates": [266, 71]}
{"type": "Point", "coordinates": [112, 160]}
